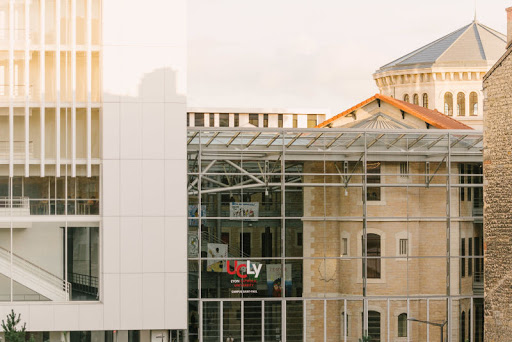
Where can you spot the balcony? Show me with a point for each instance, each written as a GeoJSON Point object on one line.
{"type": "Point", "coordinates": [25, 206]}
{"type": "Point", "coordinates": [18, 149]}
{"type": "Point", "coordinates": [17, 206]}
{"type": "Point", "coordinates": [478, 283]}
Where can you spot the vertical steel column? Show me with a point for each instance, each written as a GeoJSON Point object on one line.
{"type": "Point", "coordinates": [73, 88]}
{"type": "Point", "coordinates": [365, 242]}
{"type": "Point", "coordinates": [11, 86]}
{"type": "Point", "coordinates": [89, 86]}
{"type": "Point", "coordinates": [325, 320]}
{"type": "Point", "coordinates": [200, 309]}
{"type": "Point", "coordinates": [42, 81]}
{"type": "Point", "coordinates": [304, 321]}
{"type": "Point", "coordinates": [57, 86]}
{"type": "Point", "coordinates": [262, 321]}
{"type": "Point", "coordinates": [345, 320]}
{"type": "Point", "coordinates": [199, 189]}
{"type": "Point", "coordinates": [448, 236]}
{"type": "Point", "coordinates": [428, 319]}
{"type": "Point", "coordinates": [471, 321]}
{"type": "Point", "coordinates": [387, 309]}
{"type": "Point", "coordinates": [221, 321]}
{"type": "Point", "coordinates": [27, 86]}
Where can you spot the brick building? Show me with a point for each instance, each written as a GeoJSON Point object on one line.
{"type": "Point", "coordinates": [497, 194]}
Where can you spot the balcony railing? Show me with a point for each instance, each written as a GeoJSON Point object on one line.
{"type": "Point", "coordinates": [21, 206]}
{"type": "Point", "coordinates": [15, 206]}
{"type": "Point", "coordinates": [478, 282]}
{"type": "Point", "coordinates": [18, 149]}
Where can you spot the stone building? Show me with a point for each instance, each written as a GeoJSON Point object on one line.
{"type": "Point", "coordinates": [446, 74]}
{"type": "Point", "coordinates": [497, 194]}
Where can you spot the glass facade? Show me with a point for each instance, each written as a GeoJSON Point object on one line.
{"type": "Point", "coordinates": [332, 235]}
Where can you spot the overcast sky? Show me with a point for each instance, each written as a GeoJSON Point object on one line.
{"type": "Point", "coordinates": [311, 53]}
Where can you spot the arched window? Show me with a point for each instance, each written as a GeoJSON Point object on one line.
{"type": "Point", "coordinates": [473, 103]}
{"type": "Point", "coordinates": [416, 99]}
{"type": "Point", "coordinates": [425, 100]}
{"type": "Point", "coordinates": [448, 104]}
{"type": "Point", "coordinates": [373, 254]}
{"type": "Point", "coordinates": [406, 98]}
{"type": "Point", "coordinates": [402, 325]}
{"type": "Point", "coordinates": [461, 104]}
{"type": "Point", "coordinates": [463, 327]}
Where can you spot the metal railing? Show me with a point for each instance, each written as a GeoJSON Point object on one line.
{"type": "Point", "coordinates": [84, 283]}
{"type": "Point", "coordinates": [17, 202]}
{"type": "Point", "coordinates": [36, 271]}
{"type": "Point", "coordinates": [18, 148]}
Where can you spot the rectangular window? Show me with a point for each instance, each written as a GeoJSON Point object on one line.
{"type": "Point", "coordinates": [344, 246]}
{"type": "Point", "coordinates": [462, 170]}
{"type": "Point", "coordinates": [470, 254]}
{"type": "Point", "coordinates": [266, 244]}
{"type": "Point", "coordinates": [212, 120]}
{"type": "Point", "coordinates": [265, 120]}
{"type": "Point", "coordinates": [253, 119]}
{"type": "Point", "coordinates": [463, 260]}
{"type": "Point", "coordinates": [237, 120]}
{"type": "Point", "coordinates": [133, 336]}
{"type": "Point", "coordinates": [280, 120]}
{"type": "Point", "coordinates": [199, 120]}
{"type": "Point", "coordinates": [299, 239]}
{"type": "Point", "coordinates": [223, 120]}
{"type": "Point", "coordinates": [373, 177]}
{"type": "Point", "coordinates": [188, 119]}
{"type": "Point", "coordinates": [295, 121]}
{"type": "Point", "coordinates": [245, 243]}
{"type": "Point", "coordinates": [403, 244]}
{"type": "Point", "coordinates": [404, 170]}
{"type": "Point", "coordinates": [311, 120]}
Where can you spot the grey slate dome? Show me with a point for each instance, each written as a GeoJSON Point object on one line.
{"type": "Point", "coordinates": [472, 45]}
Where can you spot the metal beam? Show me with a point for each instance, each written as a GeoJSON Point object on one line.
{"type": "Point", "coordinates": [334, 140]}
{"type": "Point", "coordinates": [244, 171]}
{"type": "Point", "coordinates": [313, 140]}
{"type": "Point", "coordinates": [435, 171]}
{"type": "Point", "coordinates": [232, 139]}
{"type": "Point", "coordinates": [416, 141]}
{"type": "Point", "coordinates": [435, 142]}
{"type": "Point", "coordinates": [192, 138]}
{"type": "Point", "coordinates": [375, 140]}
{"type": "Point", "coordinates": [273, 139]}
{"type": "Point", "coordinates": [476, 142]}
{"type": "Point", "coordinates": [458, 141]}
{"type": "Point", "coordinates": [354, 140]}
{"type": "Point", "coordinates": [252, 139]}
{"type": "Point", "coordinates": [396, 140]}
{"type": "Point", "coordinates": [293, 140]}
{"type": "Point", "coordinates": [212, 139]}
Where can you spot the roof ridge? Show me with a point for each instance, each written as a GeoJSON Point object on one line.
{"type": "Point", "coordinates": [480, 43]}
{"type": "Point", "coordinates": [492, 31]}
{"type": "Point", "coordinates": [468, 27]}
{"type": "Point", "coordinates": [415, 52]}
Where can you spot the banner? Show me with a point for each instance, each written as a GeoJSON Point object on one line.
{"type": "Point", "coordinates": [193, 211]}
{"type": "Point", "coordinates": [217, 251]}
{"type": "Point", "coordinates": [248, 211]}
{"type": "Point", "coordinates": [274, 279]}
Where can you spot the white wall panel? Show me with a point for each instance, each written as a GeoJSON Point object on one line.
{"type": "Point", "coordinates": [130, 187]}
{"type": "Point", "coordinates": [111, 301]}
{"type": "Point", "coordinates": [110, 190]}
{"type": "Point", "coordinates": [111, 238]}
{"type": "Point", "coordinates": [153, 130]}
{"type": "Point", "coordinates": [176, 178]}
{"type": "Point", "coordinates": [130, 130]}
{"type": "Point", "coordinates": [175, 307]}
{"type": "Point", "coordinates": [153, 190]}
{"type": "Point", "coordinates": [153, 303]}
{"type": "Point", "coordinates": [175, 239]}
{"type": "Point", "coordinates": [130, 244]}
{"type": "Point", "coordinates": [90, 316]}
{"type": "Point", "coordinates": [110, 131]}
{"type": "Point", "coordinates": [66, 317]}
{"type": "Point", "coordinates": [175, 130]}
{"type": "Point", "coordinates": [41, 318]}
{"type": "Point", "coordinates": [153, 244]}
{"type": "Point", "coordinates": [131, 301]}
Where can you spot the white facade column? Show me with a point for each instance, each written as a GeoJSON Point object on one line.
{"type": "Point", "coordinates": [42, 85]}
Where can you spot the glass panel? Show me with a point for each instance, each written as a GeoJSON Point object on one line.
{"type": "Point", "coordinates": [83, 262]}
{"type": "Point", "coordinates": [294, 321]}
{"type": "Point", "coordinates": [273, 331]}
{"type": "Point", "coordinates": [232, 329]}
{"type": "Point", "coordinates": [211, 321]}
{"type": "Point", "coordinates": [252, 321]}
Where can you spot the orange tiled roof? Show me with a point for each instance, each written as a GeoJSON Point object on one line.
{"type": "Point", "coordinates": [433, 117]}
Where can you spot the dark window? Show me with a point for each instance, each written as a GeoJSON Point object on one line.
{"type": "Point", "coordinates": [280, 120]}
{"type": "Point", "coordinates": [188, 119]}
{"type": "Point", "coordinates": [461, 104]}
{"type": "Point", "coordinates": [237, 119]}
{"type": "Point", "coordinates": [448, 104]}
{"type": "Point", "coordinates": [299, 239]}
{"type": "Point", "coordinates": [470, 254]}
{"type": "Point", "coordinates": [223, 120]}
{"type": "Point", "coordinates": [212, 120]}
{"type": "Point", "coordinates": [373, 256]}
{"type": "Point", "coordinates": [425, 100]}
{"type": "Point", "coordinates": [473, 104]}
{"type": "Point", "coordinates": [253, 119]}
{"type": "Point", "coordinates": [463, 327]}
{"type": "Point", "coordinates": [344, 325]}
{"type": "Point", "coordinates": [462, 179]}
{"type": "Point", "coordinates": [373, 326]}
{"type": "Point", "coordinates": [406, 98]}
{"type": "Point", "coordinates": [416, 99]}
{"type": "Point", "coordinates": [402, 325]}
{"type": "Point", "coordinates": [463, 260]}
{"type": "Point", "coordinates": [199, 120]}
{"type": "Point", "coordinates": [265, 120]}
{"type": "Point", "coordinates": [266, 243]}
{"type": "Point", "coordinates": [373, 177]}
{"type": "Point", "coordinates": [295, 121]}
{"type": "Point", "coordinates": [311, 120]}
{"type": "Point", "coordinates": [245, 243]}
{"type": "Point", "coordinates": [109, 336]}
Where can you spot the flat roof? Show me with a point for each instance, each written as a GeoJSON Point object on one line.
{"type": "Point", "coordinates": [299, 110]}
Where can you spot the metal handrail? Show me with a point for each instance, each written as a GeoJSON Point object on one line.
{"type": "Point", "coordinates": [37, 270]}
{"type": "Point", "coordinates": [16, 201]}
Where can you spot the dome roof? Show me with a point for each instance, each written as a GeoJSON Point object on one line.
{"type": "Point", "coordinates": [472, 45]}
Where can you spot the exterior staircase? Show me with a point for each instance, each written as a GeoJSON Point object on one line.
{"type": "Point", "coordinates": [34, 277]}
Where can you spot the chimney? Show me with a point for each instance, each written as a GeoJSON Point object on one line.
{"type": "Point", "coordinates": [509, 27]}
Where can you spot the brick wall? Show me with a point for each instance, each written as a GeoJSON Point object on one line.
{"type": "Point", "coordinates": [498, 201]}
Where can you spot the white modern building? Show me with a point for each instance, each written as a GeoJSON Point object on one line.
{"type": "Point", "coordinates": [92, 220]}
{"type": "Point", "coordinates": [256, 117]}
{"type": "Point", "coordinates": [447, 73]}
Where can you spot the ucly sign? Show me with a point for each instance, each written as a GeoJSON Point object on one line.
{"type": "Point", "coordinates": [248, 267]}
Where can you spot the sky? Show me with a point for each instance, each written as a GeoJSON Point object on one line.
{"type": "Point", "coordinates": [311, 53]}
